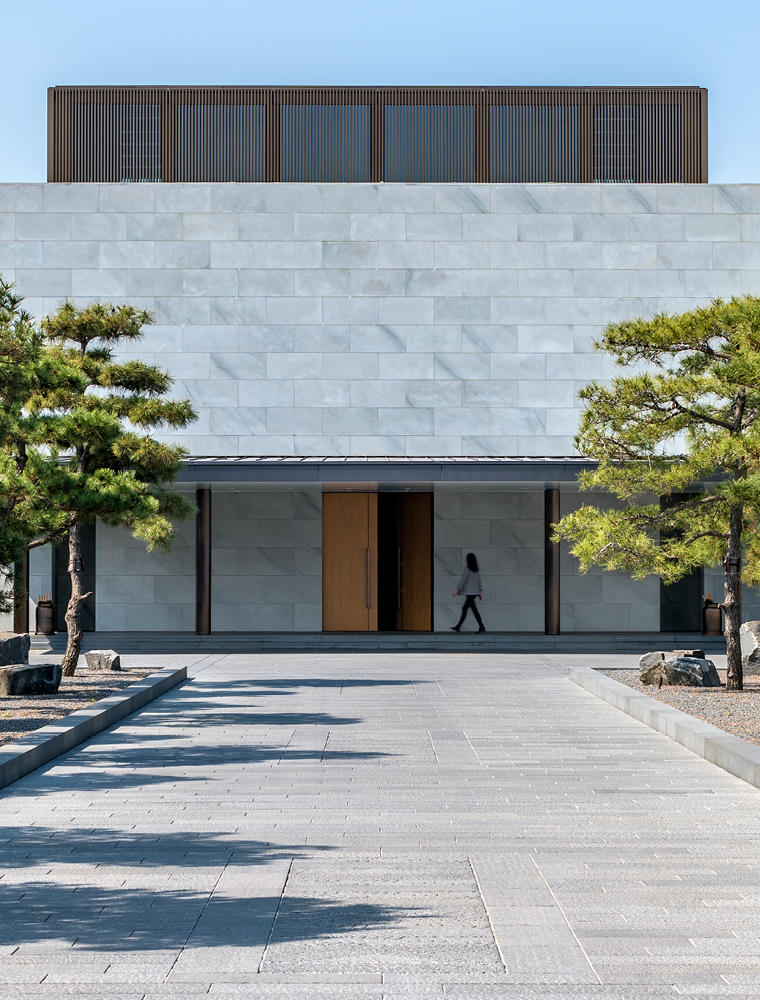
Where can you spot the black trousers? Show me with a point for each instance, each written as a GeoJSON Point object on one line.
{"type": "Point", "coordinates": [471, 605]}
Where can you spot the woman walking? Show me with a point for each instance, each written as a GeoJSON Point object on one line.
{"type": "Point", "coordinates": [469, 585]}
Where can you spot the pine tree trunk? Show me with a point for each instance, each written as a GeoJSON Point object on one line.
{"type": "Point", "coordinates": [732, 603]}
{"type": "Point", "coordinates": [73, 627]}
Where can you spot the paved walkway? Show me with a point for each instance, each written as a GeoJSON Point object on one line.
{"type": "Point", "coordinates": [380, 827]}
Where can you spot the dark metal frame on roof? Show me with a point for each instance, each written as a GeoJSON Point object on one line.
{"type": "Point", "coordinates": [416, 134]}
{"type": "Point", "coordinates": [316, 470]}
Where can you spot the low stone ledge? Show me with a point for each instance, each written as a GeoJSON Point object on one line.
{"type": "Point", "coordinates": [45, 744]}
{"type": "Point", "coordinates": [729, 752]}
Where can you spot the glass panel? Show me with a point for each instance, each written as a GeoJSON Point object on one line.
{"type": "Point", "coordinates": [534, 143]}
{"type": "Point", "coordinates": [324, 142]}
{"type": "Point", "coordinates": [117, 142]}
{"type": "Point", "coordinates": [637, 143]}
{"type": "Point", "coordinates": [429, 143]}
{"type": "Point", "coordinates": [220, 142]}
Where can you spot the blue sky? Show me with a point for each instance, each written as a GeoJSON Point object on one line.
{"type": "Point", "coordinates": [709, 44]}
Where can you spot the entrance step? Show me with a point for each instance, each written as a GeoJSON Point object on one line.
{"type": "Point", "coordinates": [385, 642]}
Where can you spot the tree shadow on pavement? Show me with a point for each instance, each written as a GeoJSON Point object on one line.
{"type": "Point", "coordinates": [103, 912]}
{"type": "Point", "coordinates": [108, 768]}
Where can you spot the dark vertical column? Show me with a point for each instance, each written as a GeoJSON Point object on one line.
{"type": "Point", "coordinates": [203, 562]}
{"type": "Point", "coordinates": [21, 595]}
{"type": "Point", "coordinates": [482, 137]}
{"type": "Point", "coordinates": [551, 564]}
{"type": "Point", "coordinates": [272, 135]}
{"type": "Point", "coordinates": [703, 136]}
{"type": "Point", "coordinates": [377, 136]}
{"type": "Point", "coordinates": [585, 139]}
{"type": "Point", "coordinates": [167, 103]}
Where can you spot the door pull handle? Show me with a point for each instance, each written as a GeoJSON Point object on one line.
{"type": "Point", "coordinates": [398, 576]}
{"type": "Point", "coordinates": [368, 580]}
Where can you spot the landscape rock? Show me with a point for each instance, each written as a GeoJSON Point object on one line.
{"type": "Point", "coordinates": [103, 659]}
{"type": "Point", "coordinates": [749, 637]}
{"type": "Point", "coordinates": [21, 678]}
{"type": "Point", "coordinates": [650, 659]}
{"type": "Point", "coordinates": [695, 654]}
{"type": "Point", "coordinates": [14, 648]}
{"type": "Point", "coordinates": [684, 671]}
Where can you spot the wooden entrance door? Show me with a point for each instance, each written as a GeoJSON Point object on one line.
{"type": "Point", "coordinates": [349, 562]}
{"type": "Point", "coordinates": [414, 555]}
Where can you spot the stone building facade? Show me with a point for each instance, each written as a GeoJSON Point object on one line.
{"type": "Point", "coordinates": [374, 337]}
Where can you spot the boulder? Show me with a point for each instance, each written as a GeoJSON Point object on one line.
{"type": "Point", "coordinates": [14, 647]}
{"type": "Point", "coordinates": [21, 678]}
{"type": "Point", "coordinates": [653, 658]}
{"type": "Point", "coordinates": [686, 671]}
{"type": "Point", "coordinates": [650, 659]}
{"type": "Point", "coordinates": [103, 659]}
{"type": "Point", "coordinates": [749, 637]}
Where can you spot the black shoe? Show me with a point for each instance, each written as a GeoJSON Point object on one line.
{"type": "Point", "coordinates": [454, 628]}
{"type": "Point", "coordinates": [481, 630]}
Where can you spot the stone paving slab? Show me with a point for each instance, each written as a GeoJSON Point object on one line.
{"type": "Point", "coordinates": [42, 745]}
{"type": "Point", "coordinates": [734, 754]}
{"type": "Point", "coordinates": [384, 826]}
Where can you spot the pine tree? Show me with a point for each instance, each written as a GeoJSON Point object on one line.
{"type": "Point", "coordinates": [28, 464]}
{"type": "Point", "coordinates": [678, 444]}
{"type": "Point", "coordinates": [110, 467]}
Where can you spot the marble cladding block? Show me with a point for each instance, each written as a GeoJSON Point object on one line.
{"type": "Point", "coordinates": [144, 591]}
{"type": "Point", "coordinates": [599, 599]}
{"type": "Point", "coordinates": [500, 527]}
{"type": "Point", "coordinates": [267, 560]}
{"type": "Point", "coordinates": [505, 530]}
{"type": "Point", "coordinates": [373, 294]}
{"type": "Point", "coordinates": [268, 570]}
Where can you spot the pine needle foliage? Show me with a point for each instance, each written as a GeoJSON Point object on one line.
{"type": "Point", "coordinates": [110, 466]}
{"type": "Point", "coordinates": [28, 463]}
{"type": "Point", "coordinates": [677, 444]}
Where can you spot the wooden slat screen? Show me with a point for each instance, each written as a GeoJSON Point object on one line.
{"type": "Point", "coordinates": [534, 143]}
{"type": "Point", "coordinates": [349, 134]}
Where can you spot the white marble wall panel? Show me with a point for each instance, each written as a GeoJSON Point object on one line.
{"type": "Point", "coordinates": [601, 601]}
{"type": "Point", "coordinates": [380, 293]}
{"type": "Point", "coordinates": [40, 578]}
{"type": "Point", "coordinates": [505, 531]}
{"type": "Point", "coordinates": [267, 561]}
{"type": "Point", "coordinates": [40, 582]}
{"type": "Point", "coordinates": [140, 591]}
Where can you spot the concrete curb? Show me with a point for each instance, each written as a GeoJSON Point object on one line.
{"type": "Point", "coordinates": [48, 742]}
{"type": "Point", "coordinates": [732, 753]}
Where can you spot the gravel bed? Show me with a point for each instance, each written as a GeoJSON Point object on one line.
{"type": "Point", "coordinates": [736, 712]}
{"type": "Point", "coordinates": [22, 714]}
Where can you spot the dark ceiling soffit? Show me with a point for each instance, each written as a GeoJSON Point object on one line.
{"type": "Point", "coordinates": [382, 472]}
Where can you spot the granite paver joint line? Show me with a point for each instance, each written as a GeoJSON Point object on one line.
{"type": "Point", "coordinates": [198, 919]}
{"type": "Point", "coordinates": [564, 917]}
{"type": "Point", "coordinates": [274, 918]}
{"type": "Point", "coordinates": [432, 744]}
{"type": "Point", "coordinates": [488, 915]}
{"type": "Point", "coordinates": [469, 743]}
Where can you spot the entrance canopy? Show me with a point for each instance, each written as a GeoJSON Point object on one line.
{"type": "Point", "coordinates": [204, 471]}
